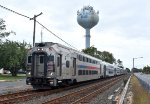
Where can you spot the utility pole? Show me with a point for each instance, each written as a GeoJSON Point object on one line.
{"type": "Point", "coordinates": [34, 18]}
{"type": "Point", "coordinates": [133, 61]}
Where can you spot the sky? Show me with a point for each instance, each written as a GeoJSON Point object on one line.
{"type": "Point", "coordinates": [123, 28]}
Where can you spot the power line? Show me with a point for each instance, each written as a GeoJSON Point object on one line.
{"type": "Point", "coordinates": [14, 11]}
{"type": "Point", "coordinates": [38, 23]}
{"type": "Point", "coordinates": [55, 34]}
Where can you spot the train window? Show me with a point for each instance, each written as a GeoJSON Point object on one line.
{"type": "Point", "coordinates": [87, 59]}
{"type": "Point", "coordinates": [80, 57]}
{"type": "Point", "coordinates": [93, 61]}
{"type": "Point", "coordinates": [29, 59]}
{"type": "Point", "coordinates": [87, 72]}
{"type": "Point", "coordinates": [51, 58]}
{"type": "Point", "coordinates": [83, 72]}
{"type": "Point", "coordinates": [41, 59]}
{"type": "Point", "coordinates": [95, 72]}
{"type": "Point", "coordinates": [90, 60]}
{"type": "Point", "coordinates": [83, 59]}
{"type": "Point", "coordinates": [90, 72]}
{"type": "Point", "coordinates": [110, 72]}
{"type": "Point", "coordinates": [79, 72]}
{"type": "Point", "coordinates": [58, 61]}
{"type": "Point", "coordinates": [67, 64]}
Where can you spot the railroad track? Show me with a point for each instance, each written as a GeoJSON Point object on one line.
{"type": "Point", "coordinates": [12, 97]}
{"type": "Point", "coordinates": [84, 95]}
{"type": "Point", "coordinates": [23, 96]}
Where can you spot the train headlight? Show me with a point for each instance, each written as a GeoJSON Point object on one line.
{"type": "Point", "coordinates": [52, 73]}
{"type": "Point", "coordinates": [28, 73]}
{"type": "Point", "coordinates": [40, 49]}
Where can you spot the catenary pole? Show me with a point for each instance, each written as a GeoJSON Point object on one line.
{"type": "Point", "coordinates": [34, 18]}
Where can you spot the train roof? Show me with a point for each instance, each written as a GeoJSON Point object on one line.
{"type": "Point", "coordinates": [51, 44]}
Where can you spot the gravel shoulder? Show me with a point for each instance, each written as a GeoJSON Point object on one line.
{"type": "Point", "coordinates": [136, 93]}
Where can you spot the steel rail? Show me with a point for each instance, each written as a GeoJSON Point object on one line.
{"type": "Point", "coordinates": [91, 95]}
{"type": "Point", "coordinates": [77, 94]}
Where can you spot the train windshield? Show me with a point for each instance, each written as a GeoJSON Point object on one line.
{"type": "Point", "coordinates": [51, 58]}
{"type": "Point", "coordinates": [29, 59]}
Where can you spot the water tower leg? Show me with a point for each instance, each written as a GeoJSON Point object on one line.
{"type": "Point", "coordinates": [87, 38]}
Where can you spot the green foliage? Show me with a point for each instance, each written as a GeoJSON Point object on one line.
{"type": "Point", "coordinates": [128, 70]}
{"type": "Point", "coordinates": [8, 77]}
{"type": "Point", "coordinates": [90, 51]}
{"type": "Point", "coordinates": [146, 69]}
{"type": "Point", "coordinates": [105, 56]}
{"type": "Point", "coordinates": [2, 29]}
{"type": "Point", "coordinates": [13, 55]}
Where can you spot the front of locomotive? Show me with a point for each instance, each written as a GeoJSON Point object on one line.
{"type": "Point", "coordinates": [41, 68]}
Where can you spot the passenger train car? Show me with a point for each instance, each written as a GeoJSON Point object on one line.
{"type": "Point", "coordinates": [52, 64]}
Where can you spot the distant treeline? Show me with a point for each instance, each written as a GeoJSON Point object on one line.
{"type": "Point", "coordinates": [145, 70]}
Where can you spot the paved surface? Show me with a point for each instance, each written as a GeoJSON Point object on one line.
{"type": "Point", "coordinates": [144, 77]}
{"type": "Point", "coordinates": [144, 80]}
{"type": "Point", "coordinates": [7, 87]}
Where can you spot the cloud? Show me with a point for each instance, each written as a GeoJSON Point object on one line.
{"type": "Point", "coordinates": [123, 27]}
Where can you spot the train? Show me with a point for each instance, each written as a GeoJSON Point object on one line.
{"type": "Point", "coordinates": [52, 64]}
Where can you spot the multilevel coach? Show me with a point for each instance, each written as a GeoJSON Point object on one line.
{"type": "Point", "coordinates": [52, 64]}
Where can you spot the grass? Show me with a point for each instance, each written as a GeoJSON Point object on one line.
{"type": "Point", "coordinates": [140, 95]}
{"type": "Point", "coordinates": [9, 77]}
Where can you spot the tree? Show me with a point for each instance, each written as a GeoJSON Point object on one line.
{"type": "Point", "coordinates": [119, 63]}
{"type": "Point", "coordinates": [128, 70]}
{"type": "Point", "coordinates": [108, 57]}
{"type": "Point", "coordinates": [146, 69]}
{"type": "Point", "coordinates": [105, 56]}
{"type": "Point", "coordinates": [2, 29]}
{"type": "Point", "coordinates": [90, 51]}
{"type": "Point", "coordinates": [13, 55]}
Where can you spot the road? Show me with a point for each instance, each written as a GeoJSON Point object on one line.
{"type": "Point", "coordinates": [144, 80]}
{"type": "Point", "coordinates": [7, 87]}
{"type": "Point", "coordinates": [144, 77]}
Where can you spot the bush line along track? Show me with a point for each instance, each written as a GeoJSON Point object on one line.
{"type": "Point", "coordinates": [85, 94]}
{"type": "Point", "coordinates": [29, 94]}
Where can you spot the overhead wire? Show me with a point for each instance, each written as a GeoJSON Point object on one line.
{"type": "Point", "coordinates": [14, 11]}
{"type": "Point", "coordinates": [54, 34]}
{"type": "Point", "coordinates": [38, 23]}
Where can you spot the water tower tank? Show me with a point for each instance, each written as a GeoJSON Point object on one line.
{"type": "Point", "coordinates": [87, 18]}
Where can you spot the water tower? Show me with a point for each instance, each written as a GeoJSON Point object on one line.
{"type": "Point", "coordinates": [87, 18]}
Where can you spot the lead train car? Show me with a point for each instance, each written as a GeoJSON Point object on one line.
{"type": "Point", "coordinates": [52, 64]}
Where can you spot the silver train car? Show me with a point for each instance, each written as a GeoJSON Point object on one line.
{"type": "Point", "coordinates": [52, 64]}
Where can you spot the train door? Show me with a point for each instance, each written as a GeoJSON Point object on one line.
{"type": "Point", "coordinates": [100, 70]}
{"type": "Point", "coordinates": [115, 72]}
{"type": "Point", "coordinates": [39, 65]}
{"type": "Point", "coordinates": [74, 66]}
{"type": "Point", "coordinates": [104, 71]}
{"type": "Point", "coordinates": [59, 64]}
